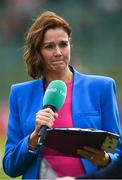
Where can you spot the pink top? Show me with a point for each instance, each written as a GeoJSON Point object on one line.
{"type": "Point", "coordinates": [65, 166]}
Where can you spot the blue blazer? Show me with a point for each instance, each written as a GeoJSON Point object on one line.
{"type": "Point", "coordinates": [93, 106]}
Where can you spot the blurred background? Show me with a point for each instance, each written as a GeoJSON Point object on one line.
{"type": "Point", "coordinates": [96, 35]}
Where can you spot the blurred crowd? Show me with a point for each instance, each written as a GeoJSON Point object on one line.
{"type": "Point", "coordinates": [3, 120]}
{"type": "Point", "coordinates": [15, 13]}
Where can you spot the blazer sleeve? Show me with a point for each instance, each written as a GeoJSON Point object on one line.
{"type": "Point", "coordinates": [109, 113]}
{"type": "Point", "coordinates": [17, 157]}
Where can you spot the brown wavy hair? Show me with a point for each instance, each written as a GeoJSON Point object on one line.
{"type": "Point", "coordinates": [34, 41]}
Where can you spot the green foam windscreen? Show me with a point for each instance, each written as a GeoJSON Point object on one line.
{"type": "Point", "coordinates": [55, 94]}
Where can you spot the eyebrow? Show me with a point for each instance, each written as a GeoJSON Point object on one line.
{"type": "Point", "coordinates": [50, 42]}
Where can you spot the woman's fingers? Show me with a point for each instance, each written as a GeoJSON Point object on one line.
{"type": "Point", "coordinates": [85, 154]}
{"type": "Point", "coordinates": [46, 112]}
{"type": "Point", "coordinates": [97, 157]}
{"type": "Point", "coordinates": [45, 117]}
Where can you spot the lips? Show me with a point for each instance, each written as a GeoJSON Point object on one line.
{"type": "Point", "coordinates": [57, 62]}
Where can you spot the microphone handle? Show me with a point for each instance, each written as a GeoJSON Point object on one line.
{"type": "Point", "coordinates": [42, 131]}
{"type": "Point", "coordinates": [42, 135]}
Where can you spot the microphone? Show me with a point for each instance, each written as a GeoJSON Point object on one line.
{"type": "Point", "coordinates": [54, 98]}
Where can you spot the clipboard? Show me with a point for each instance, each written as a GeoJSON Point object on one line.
{"type": "Point", "coordinates": [68, 141]}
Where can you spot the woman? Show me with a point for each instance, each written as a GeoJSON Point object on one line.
{"type": "Point", "coordinates": [90, 103]}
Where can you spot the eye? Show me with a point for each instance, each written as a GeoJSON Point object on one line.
{"type": "Point", "coordinates": [49, 46]}
{"type": "Point", "coordinates": [63, 44]}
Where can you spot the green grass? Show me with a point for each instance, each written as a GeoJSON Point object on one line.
{"type": "Point", "coordinates": [2, 174]}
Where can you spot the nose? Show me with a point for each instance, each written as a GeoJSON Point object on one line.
{"type": "Point", "coordinates": [57, 51]}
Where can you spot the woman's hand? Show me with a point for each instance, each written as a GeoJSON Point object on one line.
{"type": "Point", "coordinates": [43, 117]}
{"type": "Point", "coordinates": [97, 157]}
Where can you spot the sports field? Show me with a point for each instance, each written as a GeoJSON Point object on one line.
{"type": "Point", "coordinates": [2, 175]}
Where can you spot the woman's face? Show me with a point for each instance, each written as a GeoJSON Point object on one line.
{"type": "Point", "coordinates": [56, 50]}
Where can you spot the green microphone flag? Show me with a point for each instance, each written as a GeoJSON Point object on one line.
{"type": "Point", "coordinates": [55, 94]}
